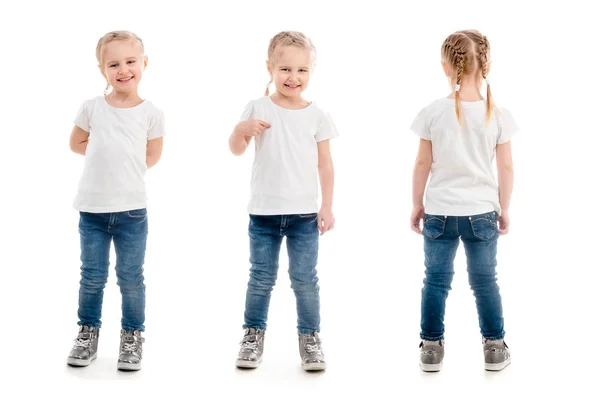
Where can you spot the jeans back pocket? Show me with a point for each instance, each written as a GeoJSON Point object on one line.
{"type": "Point", "coordinates": [484, 225]}
{"type": "Point", "coordinates": [433, 226]}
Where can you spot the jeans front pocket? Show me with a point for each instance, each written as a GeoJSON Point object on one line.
{"type": "Point", "coordinates": [308, 216]}
{"type": "Point", "coordinates": [137, 214]}
{"type": "Point", "coordinates": [484, 225]}
{"type": "Point", "coordinates": [433, 226]}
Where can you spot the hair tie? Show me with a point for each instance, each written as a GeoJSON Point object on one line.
{"type": "Point", "coordinates": [487, 81]}
{"type": "Point", "coordinates": [457, 87]}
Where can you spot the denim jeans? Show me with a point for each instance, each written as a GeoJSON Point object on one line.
{"type": "Point", "coordinates": [479, 234]}
{"type": "Point", "coordinates": [128, 231]}
{"type": "Point", "coordinates": [302, 239]}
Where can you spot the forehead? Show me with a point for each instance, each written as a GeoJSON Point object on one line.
{"type": "Point", "coordinates": [292, 55]}
{"type": "Point", "coordinates": [121, 49]}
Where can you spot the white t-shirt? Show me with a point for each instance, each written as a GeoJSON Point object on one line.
{"type": "Point", "coordinates": [462, 178]}
{"type": "Point", "coordinates": [115, 158]}
{"type": "Point", "coordinates": [284, 174]}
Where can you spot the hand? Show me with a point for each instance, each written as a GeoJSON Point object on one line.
{"type": "Point", "coordinates": [503, 223]}
{"type": "Point", "coordinates": [418, 213]}
{"type": "Point", "coordinates": [326, 220]}
{"type": "Point", "coordinates": [251, 127]}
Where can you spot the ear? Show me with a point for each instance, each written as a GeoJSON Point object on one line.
{"type": "Point", "coordinates": [102, 71]}
{"type": "Point", "coordinates": [269, 68]}
{"type": "Point", "coordinates": [145, 61]}
{"type": "Point", "coordinates": [445, 68]}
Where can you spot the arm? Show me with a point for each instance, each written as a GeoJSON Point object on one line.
{"type": "Point", "coordinates": [154, 151]}
{"type": "Point", "coordinates": [326, 178]}
{"type": "Point", "coordinates": [420, 175]}
{"type": "Point", "coordinates": [79, 140]}
{"type": "Point", "coordinates": [505, 183]}
{"type": "Point", "coordinates": [243, 134]}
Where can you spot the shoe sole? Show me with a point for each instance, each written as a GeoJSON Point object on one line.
{"type": "Point", "coordinates": [497, 366]}
{"type": "Point", "coordinates": [247, 364]}
{"type": "Point", "coordinates": [315, 367]}
{"type": "Point", "coordinates": [129, 367]}
{"type": "Point", "coordinates": [431, 367]}
{"type": "Point", "coordinates": [76, 362]}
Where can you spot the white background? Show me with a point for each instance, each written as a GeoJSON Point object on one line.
{"type": "Point", "coordinates": [377, 66]}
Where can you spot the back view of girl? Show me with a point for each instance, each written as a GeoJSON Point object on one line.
{"type": "Point", "coordinates": [460, 137]}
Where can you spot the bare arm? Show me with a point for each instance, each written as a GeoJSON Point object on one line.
{"type": "Point", "coordinates": [154, 151]}
{"type": "Point", "coordinates": [420, 174]}
{"type": "Point", "coordinates": [505, 182]}
{"type": "Point", "coordinates": [326, 178]}
{"type": "Point", "coordinates": [79, 140]}
{"type": "Point", "coordinates": [243, 134]}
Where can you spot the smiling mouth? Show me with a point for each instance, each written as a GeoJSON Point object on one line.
{"type": "Point", "coordinates": [125, 79]}
{"type": "Point", "coordinates": [292, 86]}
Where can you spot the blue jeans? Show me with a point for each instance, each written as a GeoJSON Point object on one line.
{"type": "Point", "coordinates": [128, 230]}
{"type": "Point", "coordinates": [479, 234]}
{"type": "Point", "coordinates": [266, 234]}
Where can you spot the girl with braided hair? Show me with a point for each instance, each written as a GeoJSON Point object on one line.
{"type": "Point", "coordinates": [291, 138]}
{"type": "Point", "coordinates": [460, 136]}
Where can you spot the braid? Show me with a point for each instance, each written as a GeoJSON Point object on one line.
{"type": "Point", "coordinates": [459, 64]}
{"type": "Point", "coordinates": [484, 50]}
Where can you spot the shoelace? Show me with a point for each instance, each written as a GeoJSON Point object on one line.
{"type": "Point", "coordinates": [129, 347]}
{"type": "Point", "coordinates": [247, 345]}
{"type": "Point", "coordinates": [85, 343]}
{"type": "Point", "coordinates": [313, 348]}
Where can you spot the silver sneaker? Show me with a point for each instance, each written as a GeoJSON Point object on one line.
{"type": "Point", "coordinates": [432, 355]}
{"type": "Point", "coordinates": [311, 352]}
{"type": "Point", "coordinates": [130, 353]}
{"type": "Point", "coordinates": [86, 347]}
{"type": "Point", "coordinates": [251, 348]}
{"type": "Point", "coordinates": [495, 354]}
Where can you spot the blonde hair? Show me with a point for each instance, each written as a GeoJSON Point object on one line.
{"type": "Point", "coordinates": [467, 52]}
{"type": "Point", "coordinates": [111, 37]}
{"type": "Point", "coordinates": [289, 38]}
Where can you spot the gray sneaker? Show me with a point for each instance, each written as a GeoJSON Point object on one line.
{"type": "Point", "coordinates": [251, 348]}
{"type": "Point", "coordinates": [496, 354]}
{"type": "Point", "coordinates": [311, 352]}
{"type": "Point", "coordinates": [130, 351]}
{"type": "Point", "coordinates": [86, 347]}
{"type": "Point", "coordinates": [432, 355]}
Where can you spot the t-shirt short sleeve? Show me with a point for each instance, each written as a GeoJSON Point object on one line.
{"type": "Point", "coordinates": [507, 126]}
{"type": "Point", "coordinates": [82, 119]}
{"type": "Point", "coordinates": [157, 126]}
{"type": "Point", "coordinates": [326, 129]}
{"type": "Point", "coordinates": [420, 125]}
{"type": "Point", "coordinates": [248, 112]}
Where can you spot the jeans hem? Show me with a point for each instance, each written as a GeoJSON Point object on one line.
{"type": "Point", "coordinates": [255, 327]}
{"type": "Point", "coordinates": [91, 325]}
{"type": "Point", "coordinates": [308, 331]}
{"type": "Point", "coordinates": [432, 338]}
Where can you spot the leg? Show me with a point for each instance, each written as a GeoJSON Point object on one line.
{"type": "Point", "coordinates": [440, 249]}
{"type": "Point", "coordinates": [303, 245]}
{"type": "Point", "coordinates": [130, 233]}
{"type": "Point", "coordinates": [265, 243]}
{"type": "Point", "coordinates": [95, 250]}
{"type": "Point", "coordinates": [480, 238]}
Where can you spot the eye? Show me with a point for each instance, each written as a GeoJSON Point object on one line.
{"type": "Point", "coordinates": [113, 65]}
{"type": "Point", "coordinates": [285, 69]}
{"type": "Point", "coordinates": [303, 70]}
{"type": "Point", "coordinates": [131, 62]}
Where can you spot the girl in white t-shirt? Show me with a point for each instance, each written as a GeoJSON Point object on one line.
{"type": "Point", "coordinates": [120, 135]}
{"type": "Point", "coordinates": [291, 137]}
{"type": "Point", "coordinates": [460, 137]}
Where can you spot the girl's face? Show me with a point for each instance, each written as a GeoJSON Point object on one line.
{"type": "Point", "coordinates": [290, 70]}
{"type": "Point", "coordinates": [122, 65]}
